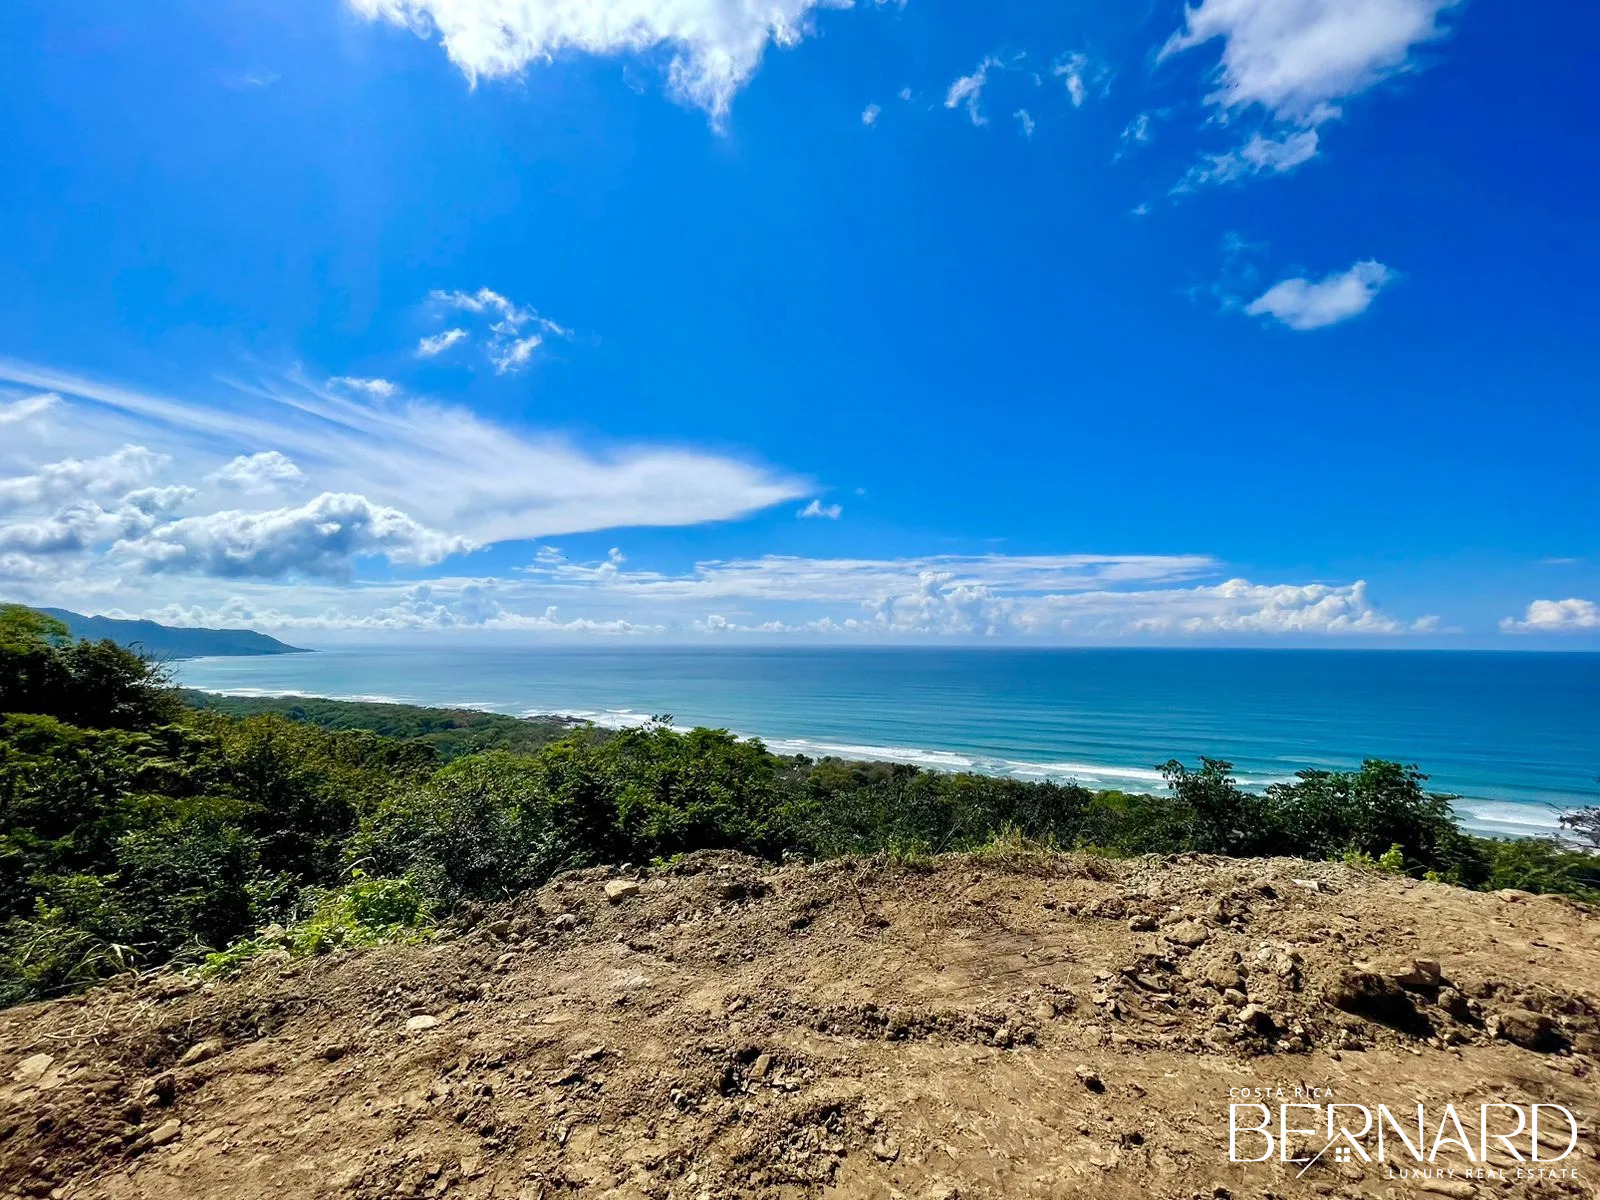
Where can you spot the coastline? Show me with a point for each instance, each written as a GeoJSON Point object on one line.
{"type": "Point", "coordinates": [1483, 816]}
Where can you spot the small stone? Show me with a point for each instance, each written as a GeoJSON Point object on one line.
{"type": "Point", "coordinates": [33, 1068]}
{"type": "Point", "coordinates": [1448, 1187]}
{"type": "Point", "coordinates": [1310, 885]}
{"type": "Point", "coordinates": [1531, 1030]}
{"type": "Point", "coordinates": [619, 890]}
{"type": "Point", "coordinates": [1235, 998]}
{"type": "Point", "coordinates": [418, 1023]}
{"type": "Point", "coordinates": [1257, 1018]}
{"type": "Point", "coordinates": [200, 1051]}
{"type": "Point", "coordinates": [1142, 923]}
{"type": "Point", "coordinates": [166, 1132]}
{"type": "Point", "coordinates": [1090, 1079]}
{"type": "Point", "coordinates": [564, 921]}
{"type": "Point", "coordinates": [885, 1151]}
{"type": "Point", "coordinates": [1424, 974]}
{"type": "Point", "coordinates": [759, 1068]}
{"type": "Point", "coordinates": [1187, 933]}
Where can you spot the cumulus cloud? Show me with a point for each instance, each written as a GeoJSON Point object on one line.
{"type": "Point", "coordinates": [715, 45]}
{"type": "Point", "coordinates": [968, 90]}
{"type": "Point", "coordinates": [829, 512]}
{"type": "Point", "coordinates": [1295, 58]}
{"type": "Point", "coordinates": [14, 412]}
{"type": "Point", "coordinates": [436, 344]}
{"type": "Point", "coordinates": [1556, 616]}
{"type": "Point", "coordinates": [320, 538]}
{"type": "Point", "coordinates": [75, 477]}
{"type": "Point", "coordinates": [870, 114]}
{"type": "Point", "coordinates": [1295, 61]}
{"type": "Point", "coordinates": [261, 472]}
{"type": "Point", "coordinates": [1301, 304]}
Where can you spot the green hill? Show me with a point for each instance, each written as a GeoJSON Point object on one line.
{"type": "Point", "coordinates": [167, 641]}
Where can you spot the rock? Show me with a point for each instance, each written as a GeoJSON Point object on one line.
{"type": "Point", "coordinates": [1448, 1187]}
{"type": "Point", "coordinates": [500, 930]}
{"type": "Point", "coordinates": [885, 1151]}
{"type": "Point", "coordinates": [1454, 1003]}
{"type": "Point", "coordinates": [1424, 974]}
{"type": "Point", "coordinates": [1224, 975]}
{"type": "Point", "coordinates": [418, 1023]}
{"type": "Point", "coordinates": [619, 890]}
{"type": "Point", "coordinates": [1187, 933]}
{"type": "Point", "coordinates": [1142, 923]}
{"type": "Point", "coordinates": [1370, 994]}
{"type": "Point", "coordinates": [1090, 1079]}
{"type": "Point", "coordinates": [33, 1068]}
{"type": "Point", "coordinates": [166, 1132]}
{"type": "Point", "coordinates": [759, 1068]}
{"type": "Point", "coordinates": [200, 1051]}
{"type": "Point", "coordinates": [1255, 1017]}
{"type": "Point", "coordinates": [1531, 1030]}
{"type": "Point", "coordinates": [1310, 885]}
{"type": "Point", "coordinates": [1235, 998]}
{"type": "Point", "coordinates": [564, 921]}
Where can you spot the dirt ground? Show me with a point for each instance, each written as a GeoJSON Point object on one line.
{"type": "Point", "coordinates": [1025, 1026]}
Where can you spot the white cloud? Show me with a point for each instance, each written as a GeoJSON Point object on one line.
{"type": "Point", "coordinates": [716, 45]}
{"type": "Point", "coordinates": [1556, 616]}
{"type": "Point", "coordinates": [1137, 131]}
{"type": "Point", "coordinates": [1025, 122]}
{"type": "Point", "coordinates": [1301, 304]}
{"type": "Point", "coordinates": [1295, 58]}
{"type": "Point", "coordinates": [437, 343]}
{"type": "Point", "coordinates": [444, 465]}
{"type": "Point", "coordinates": [79, 477]}
{"type": "Point", "coordinates": [379, 388]}
{"type": "Point", "coordinates": [514, 332]}
{"type": "Point", "coordinates": [260, 472]}
{"type": "Point", "coordinates": [1257, 155]}
{"type": "Point", "coordinates": [968, 90]}
{"type": "Point", "coordinates": [16, 411]}
{"type": "Point", "coordinates": [1079, 74]}
{"type": "Point", "coordinates": [870, 114]}
{"type": "Point", "coordinates": [830, 512]}
{"type": "Point", "coordinates": [319, 538]}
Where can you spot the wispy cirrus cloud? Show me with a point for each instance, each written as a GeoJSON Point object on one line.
{"type": "Point", "coordinates": [409, 480]}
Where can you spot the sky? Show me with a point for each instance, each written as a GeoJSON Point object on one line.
{"type": "Point", "coordinates": [1252, 322]}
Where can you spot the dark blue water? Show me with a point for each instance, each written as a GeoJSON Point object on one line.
{"type": "Point", "coordinates": [1513, 734]}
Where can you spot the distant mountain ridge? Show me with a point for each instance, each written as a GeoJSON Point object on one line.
{"type": "Point", "coordinates": [168, 641]}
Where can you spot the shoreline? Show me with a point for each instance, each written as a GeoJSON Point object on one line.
{"type": "Point", "coordinates": [1489, 818]}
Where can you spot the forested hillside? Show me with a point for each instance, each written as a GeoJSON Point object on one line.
{"type": "Point", "coordinates": [135, 829]}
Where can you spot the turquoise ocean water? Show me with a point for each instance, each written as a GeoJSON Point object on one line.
{"type": "Point", "coordinates": [1513, 733]}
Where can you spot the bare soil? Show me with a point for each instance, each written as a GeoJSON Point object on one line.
{"type": "Point", "coordinates": [1031, 1026]}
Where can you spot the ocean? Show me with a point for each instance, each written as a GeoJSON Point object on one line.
{"type": "Point", "coordinates": [1515, 735]}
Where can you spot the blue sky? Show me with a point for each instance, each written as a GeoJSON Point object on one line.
{"type": "Point", "coordinates": [1260, 322]}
